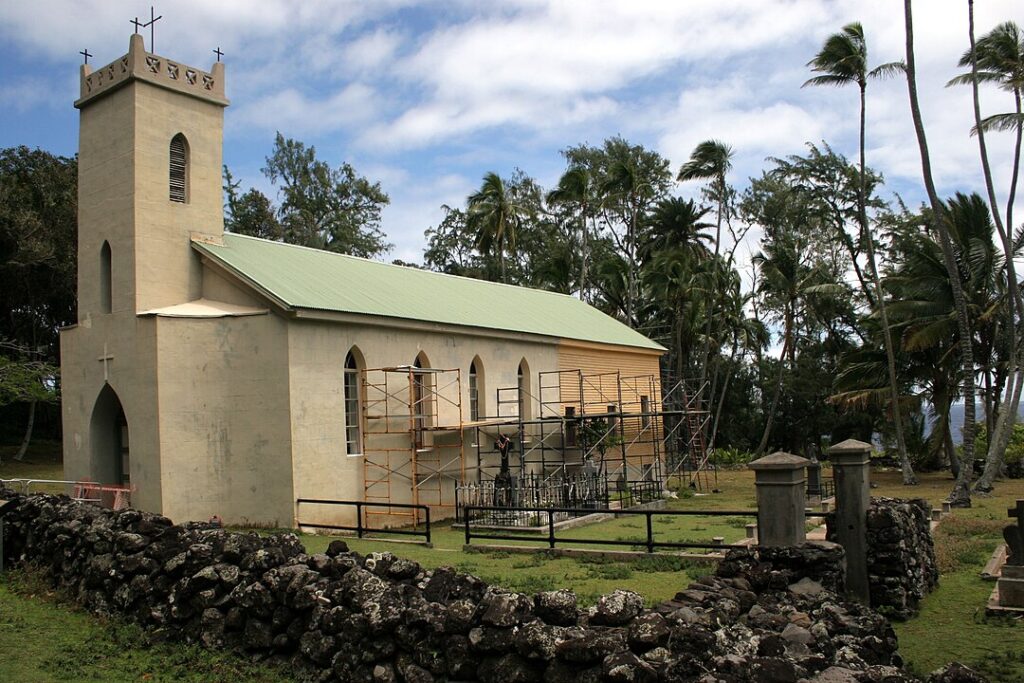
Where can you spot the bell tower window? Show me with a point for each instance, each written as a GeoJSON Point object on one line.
{"type": "Point", "coordinates": [106, 293]}
{"type": "Point", "coordinates": [179, 169]}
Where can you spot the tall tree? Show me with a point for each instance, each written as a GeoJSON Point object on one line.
{"type": "Point", "coordinates": [494, 215]}
{"type": "Point", "coordinates": [38, 238]}
{"type": "Point", "coordinates": [630, 180]}
{"type": "Point", "coordinates": [710, 160]}
{"type": "Point", "coordinates": [323, 207]}
{"type": "Point", "coordinates": [841, 61]}
{"type": "Point", "coordinates": [576, 190]}
{"type": "Point", "coordinates": [960, 495]}
{"type": "Point", "coordinates": [998, 57]}
{"type": "Point", "coordinates": [251, 213]}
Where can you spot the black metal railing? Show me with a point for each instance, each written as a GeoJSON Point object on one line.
{"type": "Point", "coordinates": [361, 528]}
{"type": "Point", "coordinates": [649, 543]}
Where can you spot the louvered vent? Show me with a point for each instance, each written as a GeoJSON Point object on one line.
{"type": "Point", "coordinates": [179, 168]}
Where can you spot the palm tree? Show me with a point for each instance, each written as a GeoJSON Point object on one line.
{"type": "Point", "coordinates": [960, 495]}
{"type": "Point", "coordinates": [675, 224]}
{"type": "Point", "coordinates": [711, 160]}
{"type": "Point", "coordinates": [841, 61]}
{"type": "Point", "coordinates": [576, 188]}
{"type": "Point", "coordinates": [495, 216]}
{"type": "Point", "coordinates": [998, 57]}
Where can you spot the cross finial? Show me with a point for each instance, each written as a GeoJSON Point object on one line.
{"type": "Point", "coordinates": [218, 53]}
{"type": "Point", "coordinates": [85, 54]}
{"type": "Point", "coordinates": [150, 25]}
{"type": "Point", "coordinates": [136, 22]}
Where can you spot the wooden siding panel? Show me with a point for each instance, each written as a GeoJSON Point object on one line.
{"type": "Point", "coordinates": [604, 373]}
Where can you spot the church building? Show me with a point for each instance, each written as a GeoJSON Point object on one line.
{"type": "Point", "coordinates": [218, 374]}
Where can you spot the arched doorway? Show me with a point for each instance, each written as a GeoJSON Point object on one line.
{"type": "Point", "coordinates": [108, 428]}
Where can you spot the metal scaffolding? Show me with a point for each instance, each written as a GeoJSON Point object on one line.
{"type": "Point", "coordinates": [412, 440]}
{"type": "Point", "coordinates": [629, 430]}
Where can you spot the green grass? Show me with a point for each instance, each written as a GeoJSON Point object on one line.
{"type": "Point", "coordinates": [952, 623]}
{"type": "Point", "coordinates": [44, 639]}
{"type": "Point", "coordinates": [42, 461]}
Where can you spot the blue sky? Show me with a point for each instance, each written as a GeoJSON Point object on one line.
{"type": "Point", "coordinates": [428, 96]}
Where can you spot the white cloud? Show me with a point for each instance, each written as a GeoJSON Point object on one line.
{"type": "Point", "coordinates": [431, 96]}
{"type": "Point", "coordinates": [299, 114]}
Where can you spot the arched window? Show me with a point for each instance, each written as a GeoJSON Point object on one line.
{"type": "Point", "coordinates": [179, 169]}
{"type": "Point", "coordinates": [476, 389]}
{"type": "Point", "coordinates": [523, 376]}
{"type": "Point", "coordinates": [353, 417]}
{"type": "Point", "coordinates": [106, 293]}
{"type": "Point", "coordinates": [421, 397]}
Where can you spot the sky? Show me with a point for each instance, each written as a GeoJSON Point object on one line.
{"type": "Point", "coordinates": [427, 97]}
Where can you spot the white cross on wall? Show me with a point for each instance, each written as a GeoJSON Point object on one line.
{"type": "Point", "coordinates": [105, 359]}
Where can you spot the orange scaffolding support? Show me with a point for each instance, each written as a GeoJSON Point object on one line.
{"type": "Point", "coordinates": [412, 440]}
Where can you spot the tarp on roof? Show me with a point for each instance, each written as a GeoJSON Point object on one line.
{"type": "Point", "coordinates": [304, 278]}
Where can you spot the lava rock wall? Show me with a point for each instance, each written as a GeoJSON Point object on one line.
{"type": "Point", "coordinates": [766, 615]}
{"type": "Point", "coordinates": [901, 554]}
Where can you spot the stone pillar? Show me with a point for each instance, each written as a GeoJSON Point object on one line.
{"type": "Point", "coordinates": [852, 472]}
{"type": "Point", "coordinates": [781, 499]}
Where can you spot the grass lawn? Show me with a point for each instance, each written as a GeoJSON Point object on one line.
{"type": "Point", "coordinates": [42, 461]}
{"type": "Point", "coordinates": [952, 623]}
{"type": "Point", "coordinates": [42, 639]}
{"type": "Point", "coordinates": [657, 578]}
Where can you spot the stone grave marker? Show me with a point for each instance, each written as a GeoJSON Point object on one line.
{"type": "Point", "coordinates": [1011, 583]}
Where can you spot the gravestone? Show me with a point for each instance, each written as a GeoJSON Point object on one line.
{"type": "Point", "coordinates": [1011, 582]}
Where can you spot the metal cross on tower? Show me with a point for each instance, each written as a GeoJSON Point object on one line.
{"type": "Point", "coordinates": [85, 54]}
{"type": "Point", "coordinates": [136, 22]}
{"type": "Point", "coordinates": [218, 53]}
{"type": "Point", "coordinates": [150, 25]}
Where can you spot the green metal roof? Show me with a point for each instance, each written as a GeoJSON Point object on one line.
{"type": "Point", "coordinates": [305, 278]}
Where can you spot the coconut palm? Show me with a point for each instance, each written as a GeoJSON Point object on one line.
{"type": "Point", "coordinates": [676, 224]}
{"type": "Point", "coordinates": [998, 57]}
{"type": "Point", "coordinates": [960, 495]}
{"type": "Point", "coordinates": [711, 160]}
{"type": "Point", "coordinates": [841, 61]}
{"type": "Point", "coordinates": [494, 215]}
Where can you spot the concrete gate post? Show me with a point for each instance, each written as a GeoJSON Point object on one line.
{"type": "Point", "coordinates": [781, 499]}
{"type": "Point", "coordinates": [852, 472]}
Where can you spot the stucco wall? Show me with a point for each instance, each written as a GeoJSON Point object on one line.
{"type": "Point", "coordinates": [317, 353]}
{"type": "Point", "coordinates": [224, 425]}
{"type": "Point", "coordinates": [131, 374]}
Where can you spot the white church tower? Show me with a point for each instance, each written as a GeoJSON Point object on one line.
{"type": "Point", "coordinates": [149, 160]}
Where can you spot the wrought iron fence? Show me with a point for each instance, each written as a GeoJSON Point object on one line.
{"type": "Point", "coordinates": [496, 502]}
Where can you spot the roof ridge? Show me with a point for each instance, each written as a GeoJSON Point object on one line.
{"type": "Point", "coordinates": [396, 265]}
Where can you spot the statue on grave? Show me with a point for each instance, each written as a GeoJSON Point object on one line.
{"type": "Point", "coordinates": [503, 483]}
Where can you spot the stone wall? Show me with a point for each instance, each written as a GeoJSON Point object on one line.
{"type": "Point", "coordinates": [901, 554]}
{"type": "Point", "coordinates": [767, 615]}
